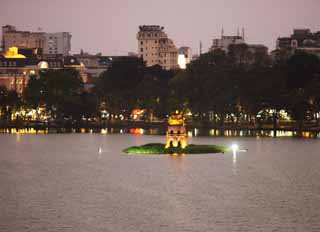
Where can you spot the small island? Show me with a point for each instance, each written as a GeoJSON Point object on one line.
{"type": "Point", "coordinates": [176, 142]}
{"type": "Point", "coordinates": [160, 149]}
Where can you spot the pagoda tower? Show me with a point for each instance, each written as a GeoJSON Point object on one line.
{"type": "Point", "coordinates": [176, 133]}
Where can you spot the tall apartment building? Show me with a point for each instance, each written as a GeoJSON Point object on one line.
{"type": "Point", "coordinates": [225, 41]}
{"type": "Point", "coordinates": [156, 48]}
{"type": "Point", "coordinates": [57, 43]}
{"type": "Point", "coordinates": [49, 43]}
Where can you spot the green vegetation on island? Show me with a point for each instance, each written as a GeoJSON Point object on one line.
{"type": "Point", "coordinates": [159, 149]}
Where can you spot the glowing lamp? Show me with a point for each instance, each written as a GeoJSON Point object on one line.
{"type": "Point", "coordinates": [234, 147]}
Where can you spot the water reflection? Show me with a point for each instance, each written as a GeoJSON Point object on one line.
{"type": "Point", "coordinates": [193, 132]}
{"type": "Point", "coordinates": [174, 155]}
{"type": "Point", "coordinates": [234, 162]}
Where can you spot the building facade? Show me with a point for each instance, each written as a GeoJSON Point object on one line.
{"type": "Point", "coordinates": [57, 43]}
{"type": "Point", "coordinates": [184, 57]}
{"type": "Point", "coordinates": [48, 43]}
{"type": "Point", "coordinates": [155, 48]}
{"type": "Point", "coordinates": [226, 40]}
{"type": "Point", "coordinates": [21, 39]}
{"type": "Point", "coordinates": [301, 39]}
{"type": "Point", "coordinates": [16, 68]}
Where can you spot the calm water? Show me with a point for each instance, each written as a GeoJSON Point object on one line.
{"type": "Point", "coordinates": [60, 182]}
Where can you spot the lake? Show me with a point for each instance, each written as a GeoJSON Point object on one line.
{"type": "Point", "coordinates": [61, 182]}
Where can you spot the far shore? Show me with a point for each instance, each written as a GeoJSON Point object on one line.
{"type": "Point", "coordinates": [160, 125]}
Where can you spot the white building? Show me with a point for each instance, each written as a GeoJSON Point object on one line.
{"type": "Point", "coordinates": [184, 57]}
{"type": "Point", "coordinates": [225, 41]}
{"type": "Point", "coordinates": [57, 43]}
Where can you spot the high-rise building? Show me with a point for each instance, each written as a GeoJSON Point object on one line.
{"type": "Point", "coordinates": [57, 43]}
{"type": "Point", "coordinates": [155, 48]}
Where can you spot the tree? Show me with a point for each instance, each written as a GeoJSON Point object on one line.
{"type": "Point", "coordinates": [303, 81]}
{"type": "Point", "coordinates": [58, 90]}
{"type": "Point", "coordinates": [9, 102]}
{"type": "Point", "coordinates": [239, 53]}
{"type": "Point", "coordinates": [117, 85]}
{"type": "Point", "coordinates": [302, 68]}
{"type": "Point", "coordinates": [153, 91]}
{"type": "Point", "coordinates": [33, 94]}
{"type": "Point", "coordinates": [3, 101]}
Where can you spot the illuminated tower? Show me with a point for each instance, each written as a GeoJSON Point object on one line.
{"type": "Point", "coordinates": [176, 134]}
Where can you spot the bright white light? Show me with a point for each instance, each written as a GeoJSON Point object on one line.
{"type": "Point", "coordinates": [234, 147]}
{"type": "Point", "coordinates": [43, 65]}
{"type": "Point", "coordinates": [182, 61]}
{"type": "Point", "coordinates": [104, 131]}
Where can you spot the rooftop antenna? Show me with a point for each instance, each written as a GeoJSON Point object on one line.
{"type": "Point", "coordinates": [243, 34]}
{"type": "Point", "coordinates": [222, 32]}
{"type": "Point", "coordinates": [200, 47]}
{"type": "Point", "coordinates": [238, 33]}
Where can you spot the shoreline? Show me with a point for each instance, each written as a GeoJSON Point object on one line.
{"type": "Point", "coordinates": [155, 125]}
{"type": "Point", "coordinates": [160, 128]}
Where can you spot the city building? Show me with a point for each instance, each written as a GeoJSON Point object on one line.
{"type": "Point", "coordinates": [16, 68]}
{"type": "Point", "coordinates": [94, 65]}
{"type": "Point", "coordinates": [225, 41]}
{"type": "Point", "coordinates": [155, 48]}
{"type": "Point", "coordinates": [21, 39]}
{"type": "Point", "coordinates": [57, 43]}
{"type": "Point", "coordinates": [133, 54]}
{"type": "Point", "coordinates": [301, 39]}
{"type": "Point", "coordinates": [184, 57]}
{"type": "Point", "coordinates": [50, 44]}
{"type": "Point", "coordinates": [286, 43]}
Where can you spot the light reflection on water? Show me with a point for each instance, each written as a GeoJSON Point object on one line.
{"type": "Point", "coordinates": [195, 132]}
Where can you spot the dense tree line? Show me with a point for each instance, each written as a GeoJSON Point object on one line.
{"type": "Point", "coordinates": [229, 89]}
{"type": "Point", "coordinates": [238, 87]}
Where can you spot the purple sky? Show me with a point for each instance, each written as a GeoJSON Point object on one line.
{"type": "Point", "coordinates": [110, 26]}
